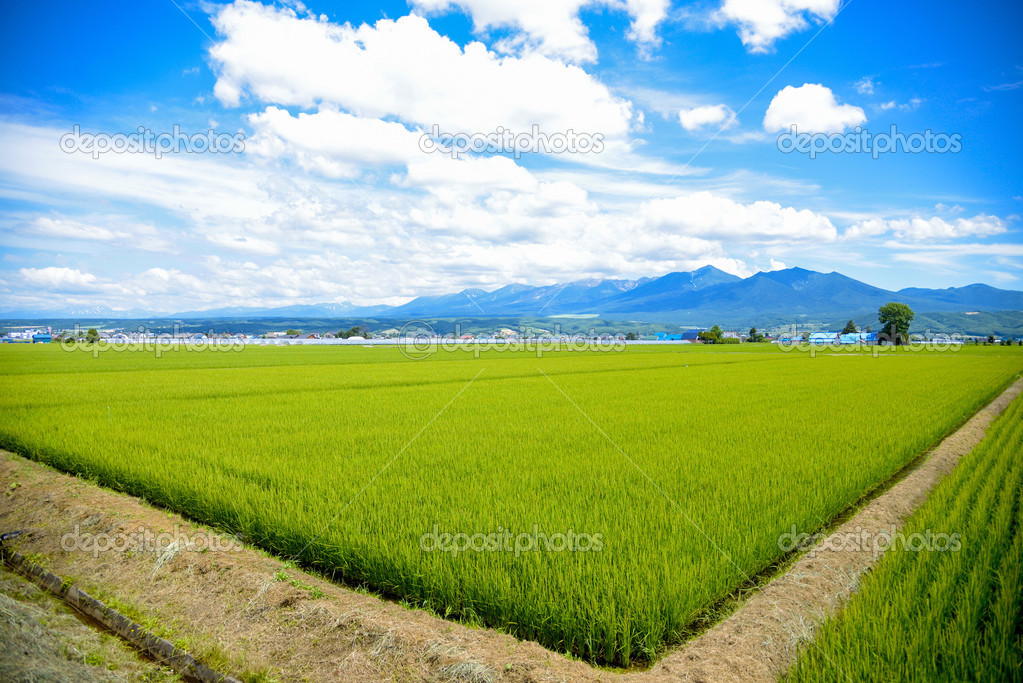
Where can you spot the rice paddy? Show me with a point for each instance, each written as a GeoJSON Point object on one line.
{"type": "Point", "coordinates": [647, 484]}
{"type": "Point", "coordinates": [947, 611]}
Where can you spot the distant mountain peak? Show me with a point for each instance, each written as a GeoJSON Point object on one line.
{"type": "Point", "coordinates": [705, 294]}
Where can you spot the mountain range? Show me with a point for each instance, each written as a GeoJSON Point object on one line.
{"type": "Point", "coordinates": [706, 294]}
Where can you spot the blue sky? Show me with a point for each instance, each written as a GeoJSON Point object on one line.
{"type": "Point", "coordinates": [333, 198]}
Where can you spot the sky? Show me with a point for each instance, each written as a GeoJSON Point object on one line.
{"type": "Point", "coordinates": [303, 151]}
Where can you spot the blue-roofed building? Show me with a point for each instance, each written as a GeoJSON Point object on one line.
{"type": "Point", "coordinates": [688, 335]}
{"type": "Point", "coordinates": [858, 338]}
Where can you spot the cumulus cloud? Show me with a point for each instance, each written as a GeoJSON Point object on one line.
{"type": "Point", "coordinates": [812, 108]}
{"type": "Point", "coordinates": [333, 143]}
{"type": "Point", "coordinates": [696, 118]}
{"type": "Point", "coordinates": [705, 214]}
{"type": "Point", "coordinates": [921, 229]}
{"type": "Point", "coordinates": [552, 27]}
{"type": "Point", "coordinates": [546, 27]}
{"type": "Point", "coordinates": [762, 22]}
{"type": "Point", "coordinates": [61, 280]}
{"type": "Point", "coordinates": [468, 177]}
{"type": "Point", "coordinates": [257, 236]}
{"type": "Point", "coordinates": [403, 69]}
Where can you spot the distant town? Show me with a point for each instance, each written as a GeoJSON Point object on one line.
{"type": "Point", "coordinates": [392, 335]}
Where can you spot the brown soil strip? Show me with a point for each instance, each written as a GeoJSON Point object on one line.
{"type": "Point", "coordinates": [251, 615]}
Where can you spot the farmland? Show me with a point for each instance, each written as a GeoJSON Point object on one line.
{"type": "Point", "coordinates": [686, 464]}
{"type": "Point", "coordinates": [951, 612]}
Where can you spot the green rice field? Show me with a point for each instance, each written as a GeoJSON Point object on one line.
{"type": "Point", "coordinates": [955, 614]}
{"type": "Point", "coordinates": [675, 469]}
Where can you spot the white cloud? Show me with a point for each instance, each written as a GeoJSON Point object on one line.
{"type": "Point", "coordinates": [708, 215]}
{"type": "Point", "coordinates": [865, 86]}
{"type": "Point", "coordinates": [59, 278]}
{"type": "Point", "coordinates": [333, 143]}
{"type": "Point", "coordinates": [762, 22]}
{"type": "Point", "coordinates": [812, 108]}
{"type": "Point", "coordinates": [912, 105]}
{"type": "Point", "coordinates": [646, 16]}
{"type": "Point", "coordinates": [229, 189]}
{"type": "Point", "coordinates": [162, 280]}
{"type": "Point", "coordinates": [130, 236]}
{"type": "Point", "coordinates": [62, 280]}
{"type": "Point", "coordinates": [552, 27]}
{"type": "Point", "coordinates": [710, 115]}
{"type": "Point", "coordinates": [868, 228]}
{"type": "Point", "coordinates": [549, 27]}
{"type": "Point", "coordinates": [468, 177]}
{"type": "Point", "coordinates": [404, 69]}
{"type": "Point", "coordinates": [447, 224]}
{"type": "Point", "coordinates": [58, 227]}
{"type": "Point", "coordinates": [1002, 276]}
{"type": "Point", "coordinates": [921, 229]}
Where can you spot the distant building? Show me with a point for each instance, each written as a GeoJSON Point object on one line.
{"type": "Point", "coordinates": [857, 338]}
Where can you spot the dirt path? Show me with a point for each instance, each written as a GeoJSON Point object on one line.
{"type": "Point", "coordinates": [43, 640]}
{"type": "Point", "coordinates": [249, 614]}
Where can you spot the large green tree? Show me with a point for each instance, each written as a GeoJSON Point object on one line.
{"type": "Point", "coordinates": [711, 336]}
{"type": "Point", "coordinates": [850, 328]}
{"type": "Point", "coordinates": [895, 319]}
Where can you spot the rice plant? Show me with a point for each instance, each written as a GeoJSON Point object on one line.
{"type": "Point", "coordinates": [952, 614]}
{"type": "Point", "coordinates": [683, 465]}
